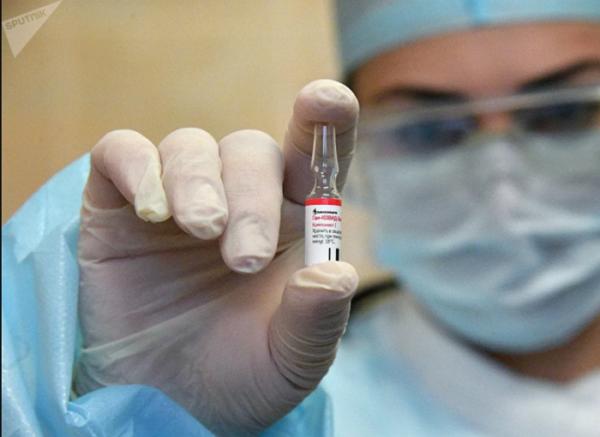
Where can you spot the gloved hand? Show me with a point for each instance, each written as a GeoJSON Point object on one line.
{"type": "Point", "coordinates": [212, 306]}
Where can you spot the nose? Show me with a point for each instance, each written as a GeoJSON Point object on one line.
{"type": "Point", "coordinates": [503, 178]}
{"type": "Point", "coordinates": [495, 122]}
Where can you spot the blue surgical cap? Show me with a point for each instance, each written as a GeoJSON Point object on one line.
{"type": "Point", "coordinates": [369, 27]}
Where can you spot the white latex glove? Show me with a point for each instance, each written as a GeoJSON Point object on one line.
{"type": "Point", "coordinates": [212, 306]}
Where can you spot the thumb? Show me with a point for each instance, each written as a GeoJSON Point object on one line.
{"type": "Point", "coordinates": [310, 320]}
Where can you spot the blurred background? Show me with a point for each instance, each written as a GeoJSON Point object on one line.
{"type": "Point", "coordinates": [155, 66]}
{"type": "Point", "coordinates": [152, 66]}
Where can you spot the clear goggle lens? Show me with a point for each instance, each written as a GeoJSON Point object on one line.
{"type": "Point", "coordinates": [434, 130]}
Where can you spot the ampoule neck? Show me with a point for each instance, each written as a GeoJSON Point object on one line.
{"type": "Point", "coordinates": [325, 183]}
{"type": "Point", "coordinates": [324, 163]}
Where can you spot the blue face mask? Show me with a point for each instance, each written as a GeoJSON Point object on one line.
{"type": "Point", "coordinates": [499, 238]}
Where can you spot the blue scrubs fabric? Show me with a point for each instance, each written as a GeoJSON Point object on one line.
{"type": "Point", "coordinates": [375, 394]}
{"type": "Point", "coordinates": [40, 338]}
{"type": "Point", "coordinates": [398, 373]}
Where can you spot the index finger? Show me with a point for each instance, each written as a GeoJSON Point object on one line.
{"type": "Point", "coordinates": [321, 101]}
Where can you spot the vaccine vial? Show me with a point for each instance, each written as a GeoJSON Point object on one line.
{"type": "Point", "coordinates": [323, 206]}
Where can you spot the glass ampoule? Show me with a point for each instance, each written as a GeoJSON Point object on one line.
{"type": "Point", "coordinates": [323, 206]}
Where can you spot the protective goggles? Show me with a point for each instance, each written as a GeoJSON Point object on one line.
{"type": "Point", "coordinates": [429, 131]}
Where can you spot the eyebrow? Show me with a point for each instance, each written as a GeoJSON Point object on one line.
{"type": "Point", "coordinates": [421, 95]}
{"type": "Point", "coordinates": [434, 96]}
{"type": "Point", "coordinates": [561, 76]}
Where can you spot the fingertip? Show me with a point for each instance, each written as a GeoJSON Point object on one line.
{"type": "Point", "coordinates": [187, 135]}
{"type": "Point", "coordinates": [150, 199]}
{"type": "Point", "coordinates": [200, 211]}
{"type": "Point", "coordinates": [327, 100]}
{"type": "Point", "coordinates": [152, 213]}
{"type": "Point", "coordinates": [247, 136]}
{"type": "Point", "coordinates": [248, 264]}
{"type": "Point", "coordinates": [336, 276]}
{"type": "Point", "coordinates": [245, 246]}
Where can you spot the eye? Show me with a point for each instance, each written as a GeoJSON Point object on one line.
{"type": "Point", "coordinates": [561, 118]}
{"type": "Point", "coordinates": [430, 136]}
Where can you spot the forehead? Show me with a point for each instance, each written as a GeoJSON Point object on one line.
{"type": "Point", "coordinates": [479, 62]}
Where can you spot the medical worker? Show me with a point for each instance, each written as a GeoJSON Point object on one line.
{"type": "Point", "coordinates": [480, 149]}
{"type": "Point", "coordinates": [480, 156]}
